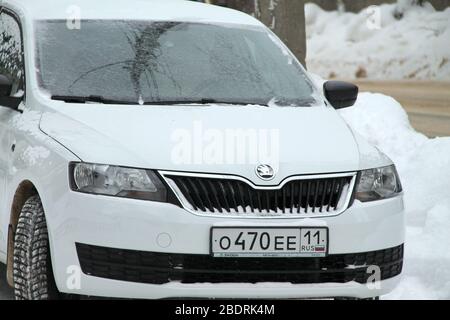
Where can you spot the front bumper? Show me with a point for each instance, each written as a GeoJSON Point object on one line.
{"type": "Point", "coordinates": [163, 228]}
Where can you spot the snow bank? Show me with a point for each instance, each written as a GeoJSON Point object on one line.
{"type": "Point", "coordinates": [424, 168]}
{"type": "Point", "coordinates": [349, 45]}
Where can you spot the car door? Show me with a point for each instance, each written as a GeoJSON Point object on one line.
{"type": "Point", "coordinates": [11, 66]}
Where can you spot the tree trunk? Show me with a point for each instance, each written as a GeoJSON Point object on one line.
{"type": "Point", "coordinates": [285, 17]}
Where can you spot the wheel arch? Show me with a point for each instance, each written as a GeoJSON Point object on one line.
{"type": "Point", "coordinates": [24, 191]}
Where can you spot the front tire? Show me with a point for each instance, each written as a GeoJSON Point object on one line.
{"type": "Point", "coordinates": [33, 275]}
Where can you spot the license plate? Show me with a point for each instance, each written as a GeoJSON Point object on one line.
{"type": "Point", "coordinates": [269, 242]}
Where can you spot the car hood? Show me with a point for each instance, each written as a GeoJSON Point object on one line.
{"type": "Point", "coordinates": [207, 139]}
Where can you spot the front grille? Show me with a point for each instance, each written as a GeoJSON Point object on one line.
{"type": "Point", "coordinates": [313, 196]}
{"type": "Point", "coordinates": [160, 268]}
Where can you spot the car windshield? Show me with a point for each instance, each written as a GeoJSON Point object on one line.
{"type": "Point", "coordinates": [149, 62]}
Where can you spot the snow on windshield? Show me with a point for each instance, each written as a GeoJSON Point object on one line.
{"type": "Point", "coordinates": [143, 61]}
{"type": "Point", "coordinates": [11, 58]}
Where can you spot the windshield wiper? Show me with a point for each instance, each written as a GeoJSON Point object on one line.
{"type": "Point", "coordinates": [202, 101]}
{"type": "Point", "coordinates": [91, 98]}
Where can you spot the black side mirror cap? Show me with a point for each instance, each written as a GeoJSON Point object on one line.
{"type": "Point", "coordinates": [340, 94]}
{"type": "Point", "coordinates": [5, 94]}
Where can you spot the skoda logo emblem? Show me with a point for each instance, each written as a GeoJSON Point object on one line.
{"type": "Point", "coordinates": [265, 172]}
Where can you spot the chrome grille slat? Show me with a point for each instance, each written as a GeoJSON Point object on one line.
{"type": "Point", "coordinates": [333, 184]}
{"type": "Point", "coordinates": [186, 192]}
{"type": "Point", "coordinates": [196, 194]}
{"type": "Point", "coordinates": [292, 198]}
{"type": "Point", "coordinates": [300, 196]}
{"type": "Point", "coordinates": [234, 196]}
{"type": "Point", "coordinates": [259, 202]}
{"type": "Point", "coordinates": [316, 194]}
{"type": "Point", "coordinates": [267, 203]}
{"type": "Point", "coordinates": [250, 196]}
{"type": "Point", "coordinates": [206, 195]}
{"type": "Point", "coordinates": [324, 192]}
{"type": "Point", "coordinates": [224, 197]}
{"type": "Point", "coordinates": [216, 197]}
{"type": "Point", "coordinates": [308, 189]}
{"type": "Point", "coordinates": [275, 200]}
{"type": "Point", "coordinates": [341, 187]}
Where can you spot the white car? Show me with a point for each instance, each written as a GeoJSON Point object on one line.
{"type": "Point", "coordinates": [117, 178]}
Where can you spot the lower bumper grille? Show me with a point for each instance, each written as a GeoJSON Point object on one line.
{"type": "Point", "coordinates": [160, 268]}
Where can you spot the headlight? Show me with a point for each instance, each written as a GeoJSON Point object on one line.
{"type": "Point", "coordinates": [377, 184]}
{"type": "Point", "coordinates": [117, 181]}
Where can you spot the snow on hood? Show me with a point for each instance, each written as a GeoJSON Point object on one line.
{"type": "Point", "coordinates": [311, 140]}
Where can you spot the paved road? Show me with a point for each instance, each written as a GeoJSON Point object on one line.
{"type": "Point", "coordinates": [5, 291]}
{"type": "Point", "coordinates": [427, 102]}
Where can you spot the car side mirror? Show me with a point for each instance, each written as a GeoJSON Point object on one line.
{"type": "Point", "coordinates": [6, 100]}
{"type": "Point", "coordinates": [340, 94]}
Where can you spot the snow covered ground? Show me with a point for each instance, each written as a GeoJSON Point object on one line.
{"type": "Point", "coordinates": [374, 44]}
